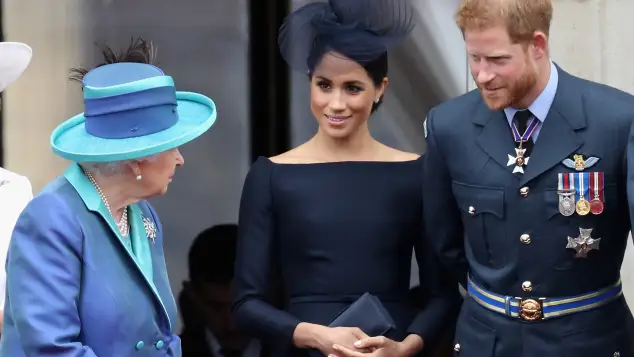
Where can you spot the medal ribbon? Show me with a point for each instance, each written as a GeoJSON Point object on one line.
{"type": "Point", "coordinates": [530, 129]}
{"type": "Point", "coordinates": [582, 181]}
{"type": "Point", "coordinates": [596, 185]}
{"type": "Point", "coordinates": [569, 179]}
{"type": "Point", "coordinates": [564, 183]}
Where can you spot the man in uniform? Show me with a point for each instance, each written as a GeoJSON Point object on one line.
{"type": "Point", "coordinates": [526, 194]}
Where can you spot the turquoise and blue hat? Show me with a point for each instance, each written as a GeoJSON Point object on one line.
{"type": "Point", "coordinates": [131, 110]}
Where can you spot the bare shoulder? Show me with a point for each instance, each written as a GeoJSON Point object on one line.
{"type": "Point", "coordinates": [391, 154]}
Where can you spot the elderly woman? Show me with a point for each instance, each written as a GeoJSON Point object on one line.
{"type": "Point", "coordinates": [86, 272]}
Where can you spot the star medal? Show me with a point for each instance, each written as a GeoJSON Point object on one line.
{"type": "Point", "coordinates": [583, 205]}
{"type": "Point", "coordinates": [583, 243]}
{"type": "Point", "coordinates": [566, 193]}
{"type": "Point", "coordinates": [596, 192]}
{"type": "Point", "coordinates": [519, 160]}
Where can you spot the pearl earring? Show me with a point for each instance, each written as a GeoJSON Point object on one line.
{"type": "Point", "coordinates": [377, 100]}
{"type": "Point", "coordinates": [139, 177]}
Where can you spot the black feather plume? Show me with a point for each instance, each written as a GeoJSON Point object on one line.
{"type": "Point", "coordinates": [139, 51]}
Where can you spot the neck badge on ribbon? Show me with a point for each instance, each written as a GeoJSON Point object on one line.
{"type": "Point", "coordinates": [519, 160]}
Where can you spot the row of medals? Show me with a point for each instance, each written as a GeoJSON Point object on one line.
{"type": "Point", "coordinates": [568, 207]}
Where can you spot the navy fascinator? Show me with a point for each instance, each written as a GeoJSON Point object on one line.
{"type": "Point", "coordinates": [361, 30]}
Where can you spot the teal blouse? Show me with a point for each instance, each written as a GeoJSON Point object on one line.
{"type": "Point", "coordinates": [137, 243]}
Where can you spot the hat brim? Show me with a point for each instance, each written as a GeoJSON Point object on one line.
{"type": "Point", "coordinates": [70, 140]}
{"type": "Point", "coordinates": [14, 59]}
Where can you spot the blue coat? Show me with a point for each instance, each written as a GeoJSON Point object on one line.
{"type": "Point", "coordinates": [76, 288]}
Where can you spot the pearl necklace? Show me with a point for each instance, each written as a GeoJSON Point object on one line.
{"type": "Point", "coordinates": [123, 226]}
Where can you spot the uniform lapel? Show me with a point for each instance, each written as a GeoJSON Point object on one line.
{"type": "Point", "coordinates": [495, 137]}
{"type": "Point", "coordinates": [558, 138]}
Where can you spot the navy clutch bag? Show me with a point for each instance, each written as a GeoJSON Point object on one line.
{"type": "Point", "coordinates": [366, 313]}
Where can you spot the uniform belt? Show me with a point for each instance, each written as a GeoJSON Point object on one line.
{"type": "Point", "coordinates": [535, 309]}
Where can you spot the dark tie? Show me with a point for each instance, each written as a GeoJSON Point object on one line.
{"type": "Point", "coordinates": [521, 119]}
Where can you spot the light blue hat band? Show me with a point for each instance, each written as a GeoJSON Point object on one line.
{"type": "Point", "coordinates": [91, 92]}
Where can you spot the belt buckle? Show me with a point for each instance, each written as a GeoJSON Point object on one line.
{"type": "Point", "coordinates": [531, 309]}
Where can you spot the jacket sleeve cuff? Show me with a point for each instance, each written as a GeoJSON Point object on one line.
{"type": "Point", "coordinates": [438, 316]}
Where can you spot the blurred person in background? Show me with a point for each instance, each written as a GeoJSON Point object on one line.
{"type": "Point", "coordinates": [15, 189]}
{"type": "Point", "coordinates": [205, 301]}
{"type": "Point", "coordinates": [340, 215]}
{"type": "Point", "coordinates": [86, 272]}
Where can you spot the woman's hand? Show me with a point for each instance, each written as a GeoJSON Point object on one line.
{"type": "Point", "coordinates": [381, 346]}
{"type": "Point", "coordinates": [328, 337]}
{"type": "Point", "coordinates": [323, 338]}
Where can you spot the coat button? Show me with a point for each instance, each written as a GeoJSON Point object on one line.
{"type": "Point", "coordinates": [527, 286]}
{"type": "Point", "coordinates": [139, 345]}
{"type": "Point", "coordinates": [472, 210]}
{"type": "Point", "coordinates": [159, 345]}
{"type": "Point", "coordinates": [456, 347]}
{"type": "Point", "coordinates": [525, 238]}
{"type": "Point", "coordinates": [524, 191]}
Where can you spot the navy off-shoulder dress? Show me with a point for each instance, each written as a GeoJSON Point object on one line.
{"type": "Point", "coordinates": [331, 232]}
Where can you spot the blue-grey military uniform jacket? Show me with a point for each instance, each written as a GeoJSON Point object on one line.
{"type": "Point", "coordinates": [540, 282]}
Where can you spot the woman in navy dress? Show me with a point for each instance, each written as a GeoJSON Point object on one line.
{"type": "Point", "coordinates": [339, 215]}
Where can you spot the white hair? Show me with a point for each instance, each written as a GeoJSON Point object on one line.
{"type": "Point", "coordinates": [113, 168]}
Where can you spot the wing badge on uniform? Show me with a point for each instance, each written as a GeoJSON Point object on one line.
{"type": "Point", "coordinates": [579, 163]}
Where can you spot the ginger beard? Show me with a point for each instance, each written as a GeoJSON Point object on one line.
{"type": "Point", "coordinates": [501, 93]}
